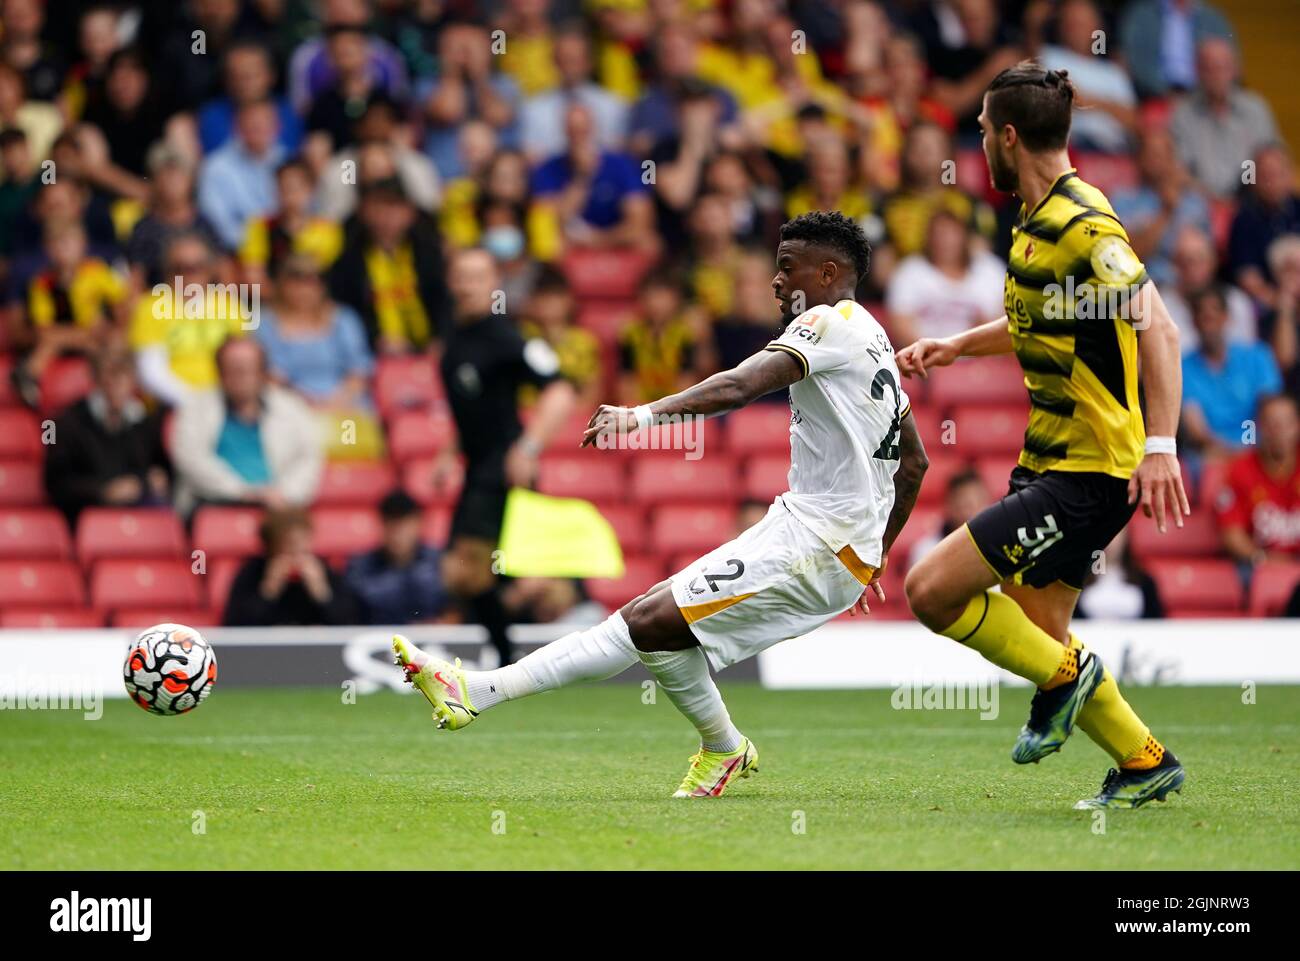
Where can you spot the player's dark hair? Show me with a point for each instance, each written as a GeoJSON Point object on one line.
{"type": "Point", "coordinates": [833, 230]}
{"type": "Point", "coordinates": [1034, 100]}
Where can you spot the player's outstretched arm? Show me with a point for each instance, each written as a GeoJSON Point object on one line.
{"type": "Point", "coordinates": [919, 356]}
{"type": "Point", "coordinates": [728, 390]}
{"type": "Point", "coordinates": [912, 465]}
{"type": "Point", "coordinates": [1158, 482]}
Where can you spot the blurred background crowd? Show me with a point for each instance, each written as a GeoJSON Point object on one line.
{"type": "Point", "coordinates": [615, 172]}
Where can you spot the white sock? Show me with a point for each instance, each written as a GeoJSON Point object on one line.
{"type": "Point", "coordinates": [684, 677]}
{"type": "Point", "coordinates": [588, 655]}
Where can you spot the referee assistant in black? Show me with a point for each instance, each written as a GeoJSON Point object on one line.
{"type": "Point", "coordinates": [484, 364]}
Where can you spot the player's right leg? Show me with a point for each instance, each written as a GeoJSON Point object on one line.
{"type": "Point", "coordinates": [949, 592]}
{"type": "Point", "coordinates": [459, 696]}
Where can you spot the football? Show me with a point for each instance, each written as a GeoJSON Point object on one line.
{"type": "Point", "coordinates": [169, 669]}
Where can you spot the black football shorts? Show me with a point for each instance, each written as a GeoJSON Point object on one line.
{"type": "Point", "coordinates": [1051, 526]}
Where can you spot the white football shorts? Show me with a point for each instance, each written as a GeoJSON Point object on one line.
{"type": "Point", "coordinates": [775, 581]}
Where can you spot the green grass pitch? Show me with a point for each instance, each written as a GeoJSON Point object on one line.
{"type": "Point", "coordinates": [294, 778]}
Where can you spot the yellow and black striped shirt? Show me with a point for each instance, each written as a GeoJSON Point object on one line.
{"type": "Point", "coordinates": [1070, 276]}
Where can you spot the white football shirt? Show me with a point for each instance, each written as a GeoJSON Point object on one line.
{"type": "Point", "coordinates": [844, 426]}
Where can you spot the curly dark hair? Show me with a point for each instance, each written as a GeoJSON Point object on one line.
{"type": "Point", "coordinates": [830, 228]}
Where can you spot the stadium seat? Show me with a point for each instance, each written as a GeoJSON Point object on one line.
{"type": "Point", "coordinates": [978, 380]}
{"type": "Point", "coordinates": [943, 465]}
{"type": "Point", "coordinates": [417, 480]}
{"type": "Point", "coordinates": [64, 382]}
{"type": "Point", "coordinates": [356, 484]}
{"type": "Point", "coordinates": [592, 478]}
{"type": "Point", "coordinates": [764, 476]}
{"type": "Point", "coordinates": [1271, 586]}
{"type": "Point", "coordinates": [415, 434]}
{"type": "Point", "coordinates": [757, 429]}
{"type": "Point", "coordinates": [930, 425]}
{"type": "Point", "coordinates": [639, 574]}
{"type": "Point", "coordinates": [340, 532]}
{"type": "Point", "coordinates": [138, 618]}
{"type": "Point", "coordinates": [1198, 537]}
{"type": "Point", "coordinates": [925, 522]}
{"type": "Point", "coordinates": [629, 523]}
{"type": "Point", "coordinates": [436, 526]}
{"type": "Point", "coordinates": [51, 618]}
{"type": "Point", "coordinates": [604, 272]}
{"type": "Point", "coordinates": [127, 582]}
{"type": "Point", "coordinates": [711, 479]}
{"type": "Point", "coordinates": [1213, 477]}
{"type": "Point", "coordinates": [227, 531]}
{"type": "Point", "coordinates": [996, 470]}
{"type": "Point", "coordinates": [20, 434]}
{"type": "Point", "coordinates": [34, 533]}
{"type": "Point", "coordinates": [983, 430]}
{"type": "Point", "coordinates": [129, 532]}
{"type": "Point", "coordinates": [605, 318]}
{"type": "Point", "coordinates": [1201, 585]}
{"type": "Point", "coordinates": [22, 483]}
{"type": "Point", "coordinates": [220, 576]}
{"type": "Point", "coordinates": [681, 528]}
{"type": "Point", "coordinates": [42, 583]}
{"type": "Point", "coordinates": [405, 384]}
{"type": "Point", "coordinates": [1110, 173]}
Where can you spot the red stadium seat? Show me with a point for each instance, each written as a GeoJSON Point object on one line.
{"type": "Point", "coordinates": [341, 532]}
{"type": "Point", "coordinates": [1109, 173]}
{"type": "Point", "coordinates": [759, 429]}
{"type": "Point", "coordinates": [979, 431]}
{"type": "Point", "coordinates": [925, 522]}
{"type": "Point", "coordinates": [629, 523]}
{"type": "Point", "coordinates": [51, 618]}
{"type": "Point", "coordinates": [604, 272]}
{"type": "Point", "coordinates": [996, 471]}
{"type": "Point", "coordinates": [406, 383]}
{"type": "Point", "coordinates": [42, 583]}
{"type": "Point", "coordinates": [123, 582]}
{"type": "Point", "coordinates": [138, 618]}
{"type": "Point", "coordinates": [1214, 475]}
{"type": "Point", "coordinates": [220, 576]}
{"type": "Point", "coordinates": [64, 382]}
{"type": "Point", "coordinates": [1271, 586]}
{"type": "Point", "coordinates": [1198, 537]}
{"type": "Point", "coordinates": [22, 483]}
{"type": "Point", "coordinates": [34, 533]}
{"type": "Point", "coordinates": [356, 484]}
{"type": "Point", "coordinates": [639, 574]}
{"type": "Point", "coordinates": [228, 531]}
{"type": "Point", "coordinates": [682, 528]}
{"type": "Point", "coordinates": [978, 380]}
{"type": "Point", "coordinates": [436, 526]}
{"type": "Point", "coordinates": [419, 434]}
{"type": "Point", "coordinates": [129, 532]}
{"type": "Point", "coordinates": [417, 480]}
{"type": "Point", "coordinates": [592, 478]}
{"type": "Point", "coordinates": [605, 318]}
{"type": "Point", "coordinates": [931, 425]}
{"type": "Point", "coordinates": [1211, 586]}
{"type": "Point", "coordinates": [710, 479]}
{"type": "Point", "coordinates": [943, 465]}
{"type": "Point", "coordinates": [972, 171]}
{"type": "Point", "coordinates": [20, 434]}
{"type": "Point", "coordinates": [765, 476]}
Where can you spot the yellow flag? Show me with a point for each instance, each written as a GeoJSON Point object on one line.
{"type": "Point", "coordinates": [545, 536]}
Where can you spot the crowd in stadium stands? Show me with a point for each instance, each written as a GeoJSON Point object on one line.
{"type": "Point", "coordinates": [171, 170]}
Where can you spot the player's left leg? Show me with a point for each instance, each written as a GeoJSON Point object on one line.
{"type": "Point", "coordinates": [671, 652]}
{"type": "Point", "coordinates": [1145, 770]}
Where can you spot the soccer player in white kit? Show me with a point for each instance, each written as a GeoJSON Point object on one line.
{"type": "Point", "coordinates": [856, 468]}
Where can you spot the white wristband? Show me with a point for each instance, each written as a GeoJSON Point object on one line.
{"type": "Point", "coordinates": [643, 416]}
{"type": "Point", "coordinates": [1161, 445]}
